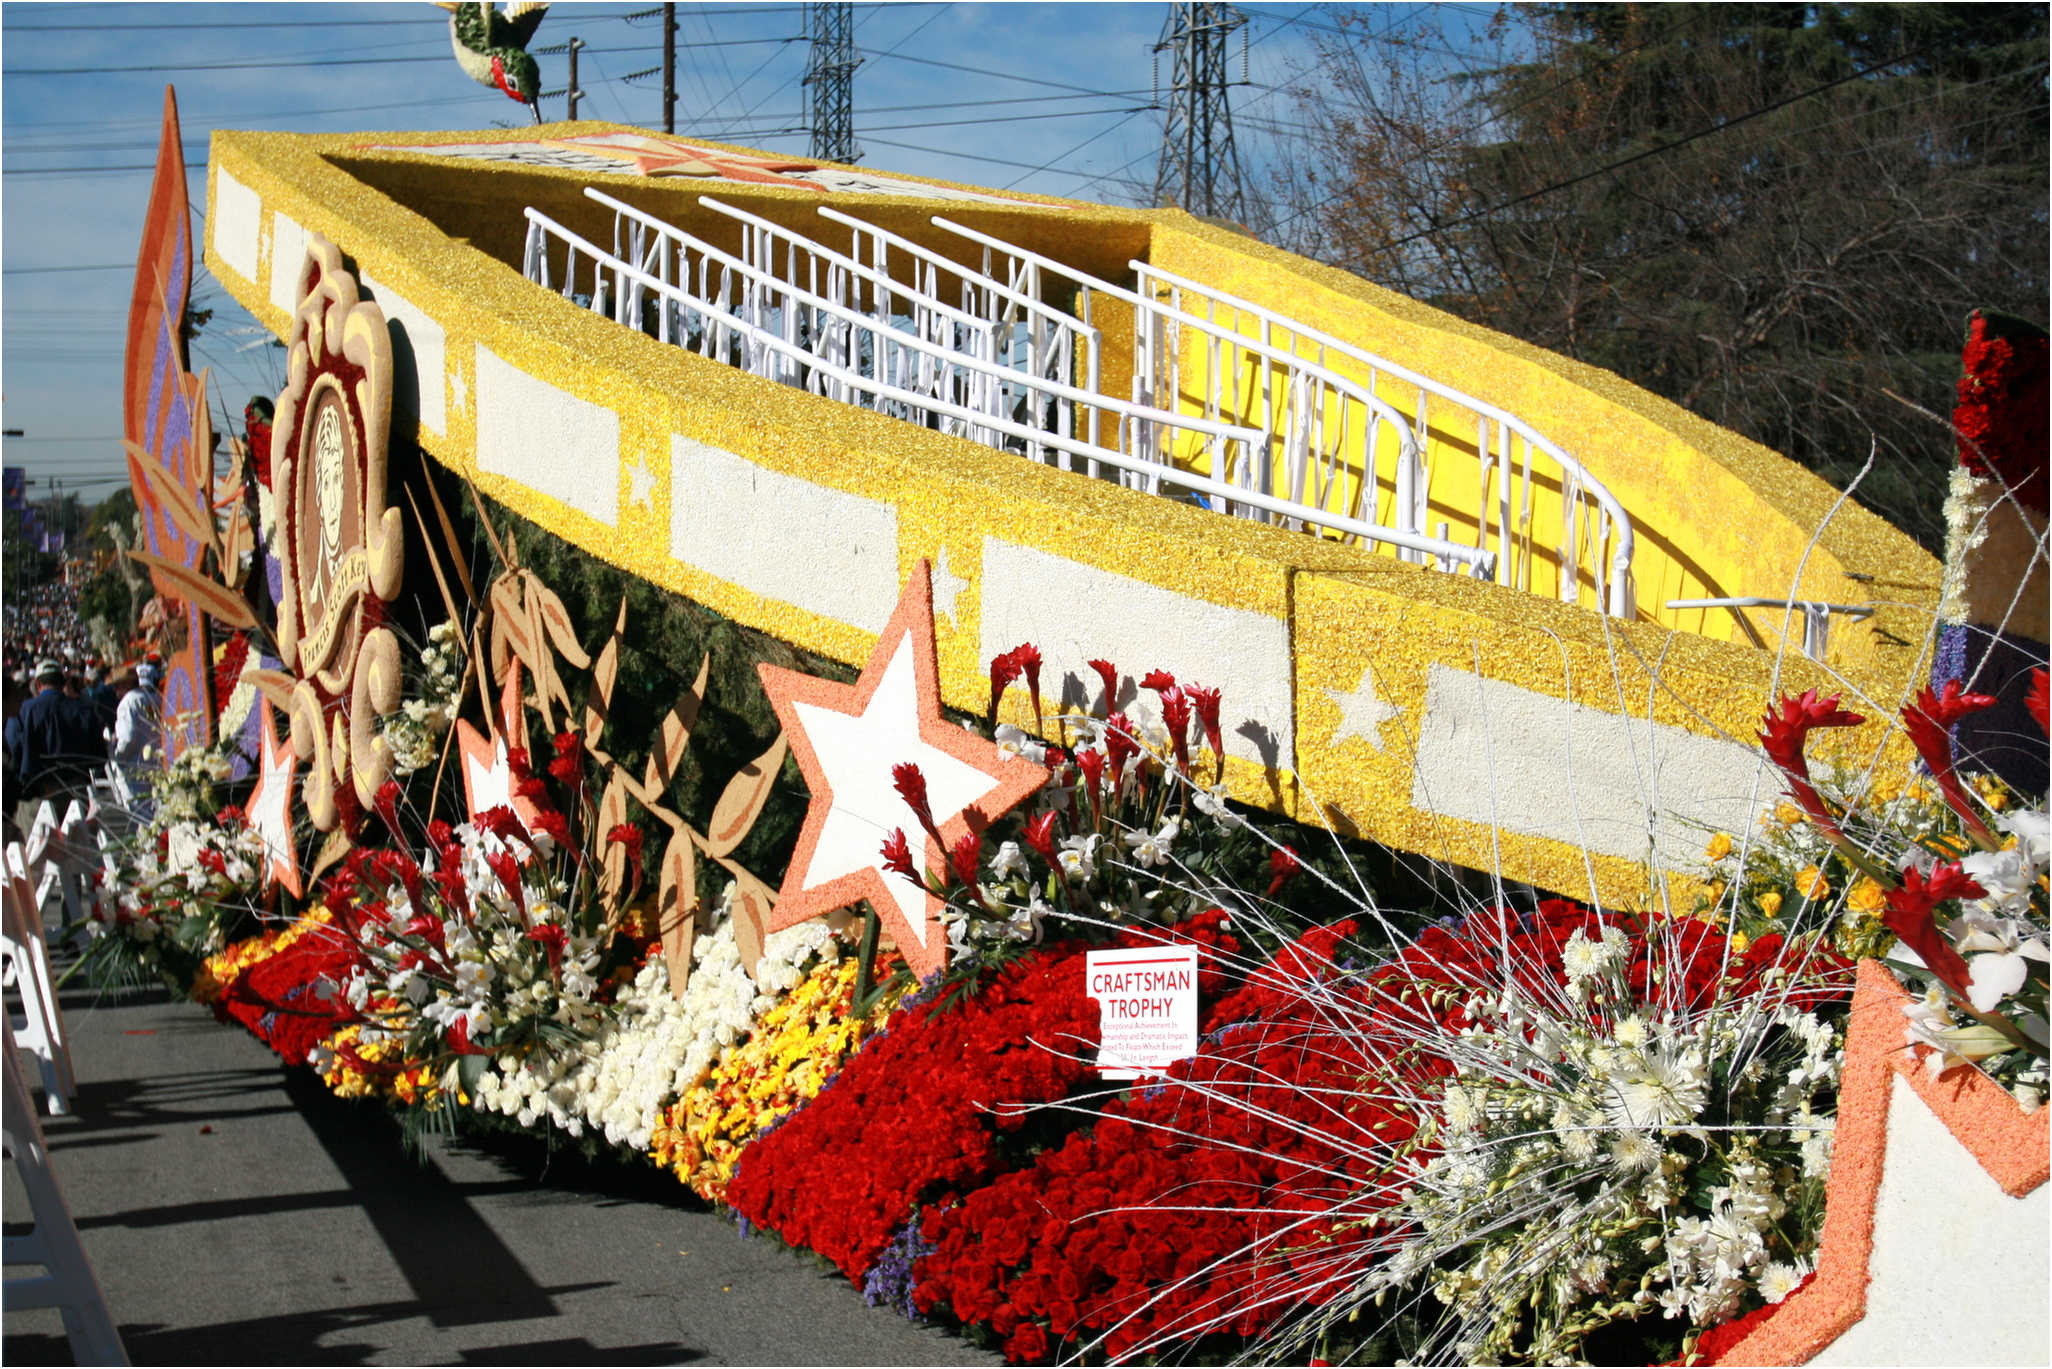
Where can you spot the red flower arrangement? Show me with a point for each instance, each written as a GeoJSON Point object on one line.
{"type": "Point", "coordinates": [2001, 419]}
{"type": "Point", "coordinates": [1176, 1214]}
{"type": "Point", "coordinates": [921, 1111]}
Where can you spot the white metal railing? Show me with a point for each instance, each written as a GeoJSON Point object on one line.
{"type": "Point", "coordinates": [1033, 336]}
{"type": "Point", "coordinates": [1816, 615]}
{"type": "Point", "coordinates": [742, 323]}
{"type": "Point", "coordinates": [957, 378]}
{"type": "Point", "coordinates": [1596, 534]}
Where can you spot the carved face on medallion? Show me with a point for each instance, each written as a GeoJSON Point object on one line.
{"type": "Point", "coordinates": [341, 547]}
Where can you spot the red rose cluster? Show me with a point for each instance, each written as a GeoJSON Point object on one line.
{"type": "Point", "coordinates": [1182, 1213]}
{"type": "Point", "coordinates": [922, 1107]}
{"type": "Point", "coordinates": [292, 1001]}
{"type": "Point", "coordinates": [2002, 415]}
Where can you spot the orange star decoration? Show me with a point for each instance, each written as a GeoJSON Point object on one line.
{"type": "Point", "coordinates": [270, 804]}
{"type": "Point", "coordinates": [488, 781]}
{"type": "Point", "coordinates": [847, 738]}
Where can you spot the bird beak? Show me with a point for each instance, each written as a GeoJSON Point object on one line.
{"type": "Point", "coordinates": [536, 107]}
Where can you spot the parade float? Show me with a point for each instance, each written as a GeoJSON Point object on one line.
{"type": "Point", "coordinates": [1139, 796]}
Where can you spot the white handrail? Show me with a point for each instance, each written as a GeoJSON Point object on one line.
{"type": "Point", "coordinates": [1448, 553]}
{"type": "Point", "coordinates": [1619, 593]}
{"type": "Point", "coordinates": [1141, 416]}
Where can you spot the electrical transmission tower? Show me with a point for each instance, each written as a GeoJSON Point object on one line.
{"type": "Point", "coordinates": [831, 73]}
{"type": "Point", "coordinates": [1199, 167]}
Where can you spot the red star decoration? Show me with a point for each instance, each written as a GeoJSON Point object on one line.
{"type": "Point", "coordinates": [846, 739]}
{"type": "Point", "coordinates": [270, 803]}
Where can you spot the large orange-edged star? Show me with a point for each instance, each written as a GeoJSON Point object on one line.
{"type": "Point", "coordinates": [488, 781]}
{"type": "Point", "coordinates": [270, 803]}
{"type": "Point", "coordinates": [846, 739]}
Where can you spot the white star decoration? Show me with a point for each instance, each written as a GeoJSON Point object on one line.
{"type": "Point", "coordinates": [846, 739]}
{"type": "Point", "coordinates": [641, 483]}
{"type": "Point", "coordinates": [1362, 713]}
{"type": "Point", "coordinates": [947, 588]}
{"type": "Point", "coordinates": [270, 804]}
{"type": "Point", "coordinates": [857, 753]}
{"type": "Point", "coordinates": [459, 389]}
{"type": "Point", "coordinates": [487, 778]}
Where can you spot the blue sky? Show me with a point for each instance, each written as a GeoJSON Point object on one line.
{"type": "Point", "coordinates": [1054, 98]}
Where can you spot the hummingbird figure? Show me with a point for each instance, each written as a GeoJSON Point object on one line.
{"type": "Point", "coordinates": [491, 46]}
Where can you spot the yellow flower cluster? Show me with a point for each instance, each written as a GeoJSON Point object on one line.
{"type": "Point", "coordinates": [225, 966]}
{"type": "Point", "coordinates": [347, 1079]}
{"type": "Point", "coordinates": [796, 1048]}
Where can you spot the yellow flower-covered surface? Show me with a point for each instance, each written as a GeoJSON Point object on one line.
{"type": "Point", "coordinates": [794, 1051]}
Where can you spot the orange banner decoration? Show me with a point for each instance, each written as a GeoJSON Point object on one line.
{"type": "Point", "coordinates": [164, 420]}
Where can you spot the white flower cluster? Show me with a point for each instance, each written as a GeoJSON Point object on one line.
{"type": "Point", "coordinates": [1598, 1159]}
{"type": "Point", "coordinates": [422, 720]}
{"type": "Point", "coordinates": [2002, 937]}
{"type": "Point", "coordinates": [203, 866]}
{"type": "Point", "coordinates": [188, 790]}
{"type": "Point", "coordinates": [654, 1045]}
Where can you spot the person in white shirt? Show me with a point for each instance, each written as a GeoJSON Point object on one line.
{"type": "Point", "coordinates": [138, 732]}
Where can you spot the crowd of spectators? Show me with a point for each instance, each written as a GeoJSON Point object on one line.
{"type": "Point", "coordinates": [66, 713]}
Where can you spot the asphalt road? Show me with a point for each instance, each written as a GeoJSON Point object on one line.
{"type": "Point", "coordinates": [237, 1213]}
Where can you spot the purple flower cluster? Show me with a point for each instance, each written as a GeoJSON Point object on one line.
{"type": "Point", "coordinates": [889, 1281]}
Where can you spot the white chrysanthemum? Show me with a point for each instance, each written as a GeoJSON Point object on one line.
{"type": "Point", "coordinates": [1634, 1152]}
{"type": "Point", "coordinates": [1663, 1087]}
{"type": "Point", "coordinates": [1780, 1280]}
{"type": "Point", "coordinates": [1582, 958]}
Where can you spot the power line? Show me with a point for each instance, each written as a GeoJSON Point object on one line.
{"type": "Point", "coordinates": [984, 72]}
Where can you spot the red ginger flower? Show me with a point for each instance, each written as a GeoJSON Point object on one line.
{"type": "Point", "coordinates": [1158, 681]}
{"type": "Point", "coordinates": [1091, 763]}
{"type": "Point", "coordinates": [2036, 701]}
{"type": "Point", "coordinates": [1026, 658]}
{"type": "Point", "coordinates": [508, 871]}
{"type": "Point", "coordinates": [911, 787]}
{"type": "Point", "coordinates": [1909, 917]}
{"type": "Point", "coordinates": [518, 761]}
{"type": "Point", "coordinates": [897, 855]}
{"type": "Point", "coordinates": [1040, 836]}
{"type": "Point", "coordinates": [1206, 702]}
{"type": "Point", "coordinates": [1108, 673]}
{"type": "Point", "coordinates": [555, 826]}
{"type": "Point", "coordinates": [568, 766]}
{"type": "Point", "coordinates": [1119, 745]}
{"type": "Point", "coordinates": [1175, 716]}
{"type": "Point", "coordinates": [552, 939]}
{"type": "Point", "coordinates": [1282, 864]}
{"type": "Point", "coordinates": [629, 836]}
{"type": "Point", "coordinates": [1929, 719]}
{"type": "Point", "coordinates": [1003, 670]}
{"type": "Point", "coordinates": [967, 856]}
{"type": "Point", "coordinates": [388, 805]}
{"type": "Point", "coordinates": [1788, 728]}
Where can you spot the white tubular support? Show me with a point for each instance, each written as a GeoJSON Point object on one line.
{"type": "Point", "coordinates": [1815, 613]}
{"type": "Point", "coordinates": [821, 373]}
{"type": "Point", "coordinates": [1610, 569]}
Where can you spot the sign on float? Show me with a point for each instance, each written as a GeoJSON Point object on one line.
{"type": "Point", "coordinates": [1146, 1007]}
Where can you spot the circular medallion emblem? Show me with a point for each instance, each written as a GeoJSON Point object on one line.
{"type": "Point", "coordinates": [342, 547]}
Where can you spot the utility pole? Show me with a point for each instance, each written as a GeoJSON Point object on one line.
{"type": "Point", "coordinates": [669, 68]}
{"type": "Point", "coordinates": [572, 91]}
{"type": "Point", "coordinates": [830, 71]}
{"type": "Point", "coordinates": [1199, 168]}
